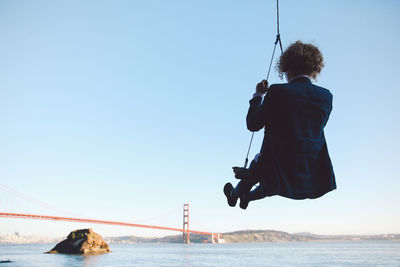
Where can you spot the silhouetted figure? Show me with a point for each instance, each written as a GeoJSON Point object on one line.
{"type": "Point", "coordinates": [293, 160]}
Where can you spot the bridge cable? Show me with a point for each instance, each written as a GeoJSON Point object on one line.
{"type": "Point", "coordinates": [277, 40]}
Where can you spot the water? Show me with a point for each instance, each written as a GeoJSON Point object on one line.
{"type": "Point", "coordinates": [254, 254]}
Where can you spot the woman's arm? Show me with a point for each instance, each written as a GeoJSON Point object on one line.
{"type": "Point", "coordinates": [259, 112]}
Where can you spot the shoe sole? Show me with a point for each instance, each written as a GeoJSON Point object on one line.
{"type": "Point", "coordinates": [227, 191]}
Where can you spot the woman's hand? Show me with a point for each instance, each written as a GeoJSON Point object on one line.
{"type": "Point", "coordinates": [262, 87]}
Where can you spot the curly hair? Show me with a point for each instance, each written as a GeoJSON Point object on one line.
{"type": "Point", "coordinates": [300, 58]}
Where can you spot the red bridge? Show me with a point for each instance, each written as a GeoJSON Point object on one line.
{"type": "Point", "coordinates": [185, 230]}
{"type": "Point", "coordinates": [215, 237]}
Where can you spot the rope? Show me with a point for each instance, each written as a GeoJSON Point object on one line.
{"type": "Point", "coordinates": [247, 156]}
{"type": "Point", "coordinates": [272, 58]}
{"type": "Point", "coordinates": [278, 36]}
{"type": "Point", "coordinates": [277, 40]}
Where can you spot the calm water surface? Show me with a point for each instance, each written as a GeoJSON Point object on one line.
{"type": "Point", "coordinates": [254, 254]}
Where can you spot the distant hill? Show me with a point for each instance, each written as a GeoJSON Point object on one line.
{"type": "Point", "coordinates": [194, 238]}
{"type": "Point", "coordinates": [250, 236]}
{"type": "Point", "coordinates": [245, 236]}
{"type": "Point", "coordinates": [391, 237]}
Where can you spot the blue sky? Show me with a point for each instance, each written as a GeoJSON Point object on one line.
{"type": "Point", "coordinates": [126, 110]}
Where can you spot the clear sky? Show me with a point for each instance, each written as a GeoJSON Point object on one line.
{"type": "Point", "coordinates": [126, 110]}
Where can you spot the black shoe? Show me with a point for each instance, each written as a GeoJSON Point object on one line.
{"type": "Point", "coordinates": [227, 191]}
{"type": "Point", "coordinates": [244, 202]}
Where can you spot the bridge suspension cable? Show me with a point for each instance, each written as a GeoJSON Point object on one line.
{"type": "Point", "coordinates": [69, 219]}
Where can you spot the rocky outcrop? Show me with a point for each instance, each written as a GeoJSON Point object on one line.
{"type": "Point", "coordinates": [83, 241]}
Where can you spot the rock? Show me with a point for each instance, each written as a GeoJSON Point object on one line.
{"type": "Point", "coordinates": [83, 241]}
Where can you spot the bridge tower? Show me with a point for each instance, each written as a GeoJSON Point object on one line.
{"type": "Point", "coordinates": [186, 233]}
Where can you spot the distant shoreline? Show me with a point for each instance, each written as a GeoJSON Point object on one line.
{"type": "Point", "coordinates": [244, 236]}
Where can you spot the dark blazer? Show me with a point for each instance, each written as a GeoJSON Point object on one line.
{"type": "Point", "coordinates": [294, 159]}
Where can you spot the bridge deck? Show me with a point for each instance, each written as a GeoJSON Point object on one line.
{"type": "Point", "coordinates": [68, 219]}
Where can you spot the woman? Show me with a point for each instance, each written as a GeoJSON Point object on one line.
{"type": "Point", "coordinates": [293, 160]}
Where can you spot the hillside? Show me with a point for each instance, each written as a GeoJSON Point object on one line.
{"type": "Point", "coordinates": [250, 236]}
{"type": "Point", "coordinates": [245, 236]}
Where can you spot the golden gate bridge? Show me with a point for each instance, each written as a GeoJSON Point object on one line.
{"type": "Point", "coordinates": [215, 237]}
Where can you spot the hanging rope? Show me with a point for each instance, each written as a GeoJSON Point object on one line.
{"type": "Point", "coordinates": [278, 35]}
{"type": "Point", "coordinates": [277, 40]}
{"type": "Point", "coordinates": [247, 156]}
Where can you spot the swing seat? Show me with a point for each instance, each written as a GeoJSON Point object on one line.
{"type": "Point", "coordinates": [243, 173]}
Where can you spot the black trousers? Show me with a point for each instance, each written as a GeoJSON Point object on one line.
{"type": "Point", "coordinates": [243, 188]}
